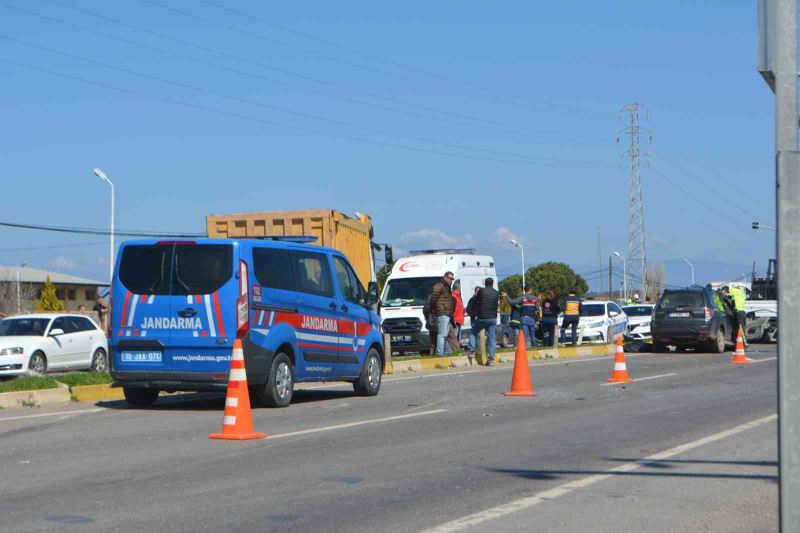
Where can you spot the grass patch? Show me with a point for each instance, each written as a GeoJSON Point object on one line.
{"type": "Point", "coordinates": [75, 379]}
{"type": "Point", "coordinates": [28, 383]}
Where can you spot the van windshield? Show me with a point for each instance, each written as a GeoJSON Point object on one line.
{"type": "Point", "coordinates": [176, 270]}
{"type": "Point", "coordinates": [408, 291]}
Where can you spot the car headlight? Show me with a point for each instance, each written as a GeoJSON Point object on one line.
{"type": "Point", "coordinates": [16, 350]}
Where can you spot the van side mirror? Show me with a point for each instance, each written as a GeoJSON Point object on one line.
{"type": "Point", "coordinates": [612, 313]}
{"type": "Point", "coordinates": [372, 294]}
{"type": "Point", "coordinates": [56, 332]}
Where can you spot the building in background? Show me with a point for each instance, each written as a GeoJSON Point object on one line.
{"type": "Point", "coordinates": [23, 285]}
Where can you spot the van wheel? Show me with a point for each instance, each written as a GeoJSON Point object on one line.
{"type": "Point", "coordinates": [140, 397]}
{"type": "Point", "coordinates": [278, 390]}
{"type": "Point", "coordinates": [369, 381]}
{"type": "Point", "coordinates": [99, 361]}
{"type": "Point", "coordinates": [718, 346]}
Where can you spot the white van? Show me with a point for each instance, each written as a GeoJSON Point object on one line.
{"type": "Point", "coordinates": [409, 285]}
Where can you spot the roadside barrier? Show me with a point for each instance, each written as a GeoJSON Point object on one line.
{"type": "Point", "coordinates": [521, 381]}
{"type": "Point", "coordinates": [237, 422]}
{"type": "Point", "coordinates": [739, 357]}
{"type": "Point", "coordinates": [620, 372]}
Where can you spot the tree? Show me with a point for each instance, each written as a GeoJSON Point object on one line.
{"type": "Point", "coordinates": [48, 301]}
{"type": "Point", "coordinates": [655, 280]}
{"type": "Point", "coordinates": [557, 277]}
{"type": "Point", "coordinates": [382, 275]}
{"type": "Point", "coordinates": [11, 292]}
{"type": "Point", "coordinates": [512, 285]}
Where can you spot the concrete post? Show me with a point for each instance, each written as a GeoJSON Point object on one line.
{"type": "Point", "coordinates": [387, 351]}
{"type": "Point", "coordinates": [480, 356]}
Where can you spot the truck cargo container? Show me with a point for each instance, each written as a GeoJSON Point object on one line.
{"type": "Point", "coordinates": [332, 228]}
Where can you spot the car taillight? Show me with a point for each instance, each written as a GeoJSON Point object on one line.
{"type": "Point", "coordinates": [709, 313]}
{"type": "Point", "coordinates": [242, 303]}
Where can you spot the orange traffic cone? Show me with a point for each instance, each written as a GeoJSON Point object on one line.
{"type": "Point", "coordinates": [620, 372]}
{"type": "Point", "coordinates": [521, 382]}
{"type": "Point", "coordinates": [237, 423]}
{"type": "Point", "coordinates": [739, 357]}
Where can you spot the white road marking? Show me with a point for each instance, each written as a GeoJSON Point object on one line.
{"type": "Point", "coordinates": [752, 361]}
{"type": "Point", "coordinates": [353, 424]}
{"type": "Point", "coordinates": [645, 378]}
{"type": "Point", "coordinates": [68, 413]}
{"type": "Point", "coordinates": [476, 519]}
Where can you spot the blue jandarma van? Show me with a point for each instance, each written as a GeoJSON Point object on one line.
{"type": "Point", "coordinates": [299, 310]}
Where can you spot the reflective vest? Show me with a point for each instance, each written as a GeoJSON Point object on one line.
{"type": "Point", "coordinates": [572, 306]}
{"type": "Point", "coordinates": [739, 297]}
{"type": "Point", "coordinates": [529, 306]}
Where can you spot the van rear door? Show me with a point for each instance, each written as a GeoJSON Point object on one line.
{"type": "Point", "coordinates": [141, 306]}
{"type": "Point", "coordinates": [203, 296]}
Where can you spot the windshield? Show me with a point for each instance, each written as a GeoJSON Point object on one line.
{"type": "Point", "coordinates": [638, 310]}
{"type": "Point", "coordinates": [593, 309]}
{"type": "Point", "coordinates": [29, 327]}
{"type": "Point", "coordinates": [408, 291]}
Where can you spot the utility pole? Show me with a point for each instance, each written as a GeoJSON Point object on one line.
{"type": "Point", "coordinates": [610, 279]}
{"type": "Point", "coordinates": [778, 65]}
{"type": "Point", "coordinates": [636, 253]}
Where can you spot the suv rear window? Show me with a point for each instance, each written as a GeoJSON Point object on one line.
{"type": "Point", "coordinates": [682, 299]}
{"type": "Point", "coordinates": [201, 269]}
{"type": "Point", "coordinates": [196, 269]}
{"type": "Point", "coordinates": [143, 269]}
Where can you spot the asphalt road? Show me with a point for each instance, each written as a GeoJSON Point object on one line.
{"type": "Point", "coordinates": [690, 446]}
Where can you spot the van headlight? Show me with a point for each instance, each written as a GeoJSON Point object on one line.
{"type": "Point", "coordinates": [16, 350]}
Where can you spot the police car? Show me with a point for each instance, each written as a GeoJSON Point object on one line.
{"type": "Point", "coordinates": [300, 311]}
{"type": "Point", "coordinates": [601, 321]}
{"type": "Point", "coordinates": [639, 317]}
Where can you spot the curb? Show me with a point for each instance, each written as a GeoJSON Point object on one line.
{"type": "Point", "coordinates": [96, 393]}
{"type": "Point", "coordinates": [35, 398]}
{"type": "Point", "coordinates": [446, 363]}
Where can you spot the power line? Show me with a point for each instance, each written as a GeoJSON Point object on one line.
{"type": "Point", "coordinates": [491, 123]}
{"type": "Point", "coordinates": [53, 246]}
{"type": "Point", "coordinates": [269, 106]}
{"type": "Point", "coordinates": [91, 231]}
{"type": "Point", "coordinates": [428, 73]}
{"type": "Point", "coordinates": [259, 120]}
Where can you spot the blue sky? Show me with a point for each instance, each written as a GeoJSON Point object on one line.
{"type": "Point", "coordinates": [451, 123]}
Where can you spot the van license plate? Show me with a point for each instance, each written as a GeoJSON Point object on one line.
{"type": "Point", "coordinates": [680, 315]}
{"type": "Point", "coordinates": [140, 357]}
{"type": "Point", "coordinates": [401, 338]}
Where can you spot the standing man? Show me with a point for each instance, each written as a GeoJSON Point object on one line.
{"type": "Point", "coordinates": [443, 306]}
{"type": "Point", "coordinates": [550, 311]}
{"type": "Point", "coordinates": [515, 320]}
{"type": "Point", "coordinates": [523, 315]}
{"type": "Point", "coordinates": [101, 308]}
{"type": "Point", "coordinates": [738, 296]}
{"type": "Point", "coordinates": [572, 316]}
{"type": "Point", "coordinates": [487, 301]}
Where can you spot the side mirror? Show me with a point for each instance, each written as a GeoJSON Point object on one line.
{"type": "Point", "coordinates": [612, 313]}
{"type": "Point", "coordinates": [387, 254]}
{"type": "Point", "coordinates": [56, 332]}
{"type": "Point", "coordinates": [372, 294]}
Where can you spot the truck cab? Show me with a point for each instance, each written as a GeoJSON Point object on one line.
{"type": "Point", "coordinates": [299, 310]}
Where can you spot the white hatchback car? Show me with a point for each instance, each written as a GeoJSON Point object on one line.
{"type": "Point", "coordinates": [600, 321]}
{"type": "Point", "coordinates": [39, 343]}
{"type": "Point", "coordinates": [639, 316]}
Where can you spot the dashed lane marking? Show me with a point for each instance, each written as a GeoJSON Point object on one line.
{"type": "Point", "coordinates": [644, 379]}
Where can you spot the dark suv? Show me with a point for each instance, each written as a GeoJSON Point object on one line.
{"type": "Point", "coordinates": [696, 317]}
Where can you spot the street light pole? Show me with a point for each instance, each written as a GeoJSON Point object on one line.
{"type": "Point", "coordinates": [685, 260]}
{"type": "Point", "coordinates": [100, 174]}
{"type": "Point", "coordinates": [758, 225]}
{"type": "Point", "coordinates": [624, 275]}
{"type": "Point", "coordinates": [522, 254]}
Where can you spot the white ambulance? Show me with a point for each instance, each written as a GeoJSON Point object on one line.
{"type": "Point", "coordinates": [409, 285]}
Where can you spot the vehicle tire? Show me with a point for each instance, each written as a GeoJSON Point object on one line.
{"type": "Point", "coordinates": [140, 397]}
{"type": "Point", "coordinates": [369, 381]}
{"type": "Point", "coordinates": [37, 365]}
{"type": "Point", "coordinates": [278, 390]}
{"type": "Point", "coordinates": [718, 345]}
{"type": "Point", "coordinates": [506, 342]}
{"type": "Point", "coordinates": [99, 361]}
{"type": "Point", "coordinates": [659, 347]}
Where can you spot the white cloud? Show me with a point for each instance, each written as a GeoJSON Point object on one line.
{"type": "Point", "coordinates": [63, 262]}
{"type": "Point", "coordinates": [425, 239]}
{"type": "Point", "coordinates": [502, 237]}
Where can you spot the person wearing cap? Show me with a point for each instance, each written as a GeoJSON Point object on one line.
{"type": "Point", "coordinates": [572, 316]}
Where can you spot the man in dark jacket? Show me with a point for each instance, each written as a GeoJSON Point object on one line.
{"type": "Point", "coordinates": [487, 301]}
{"type": "Point", "coordinates": [443, 307]}
{"type": "Point", "coordinates": [524, 312]}
{"type": "Point", "coordinates": [472, 312]}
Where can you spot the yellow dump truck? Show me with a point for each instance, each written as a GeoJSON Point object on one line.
{"type": "Point", "coordinates": [334, 229]}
